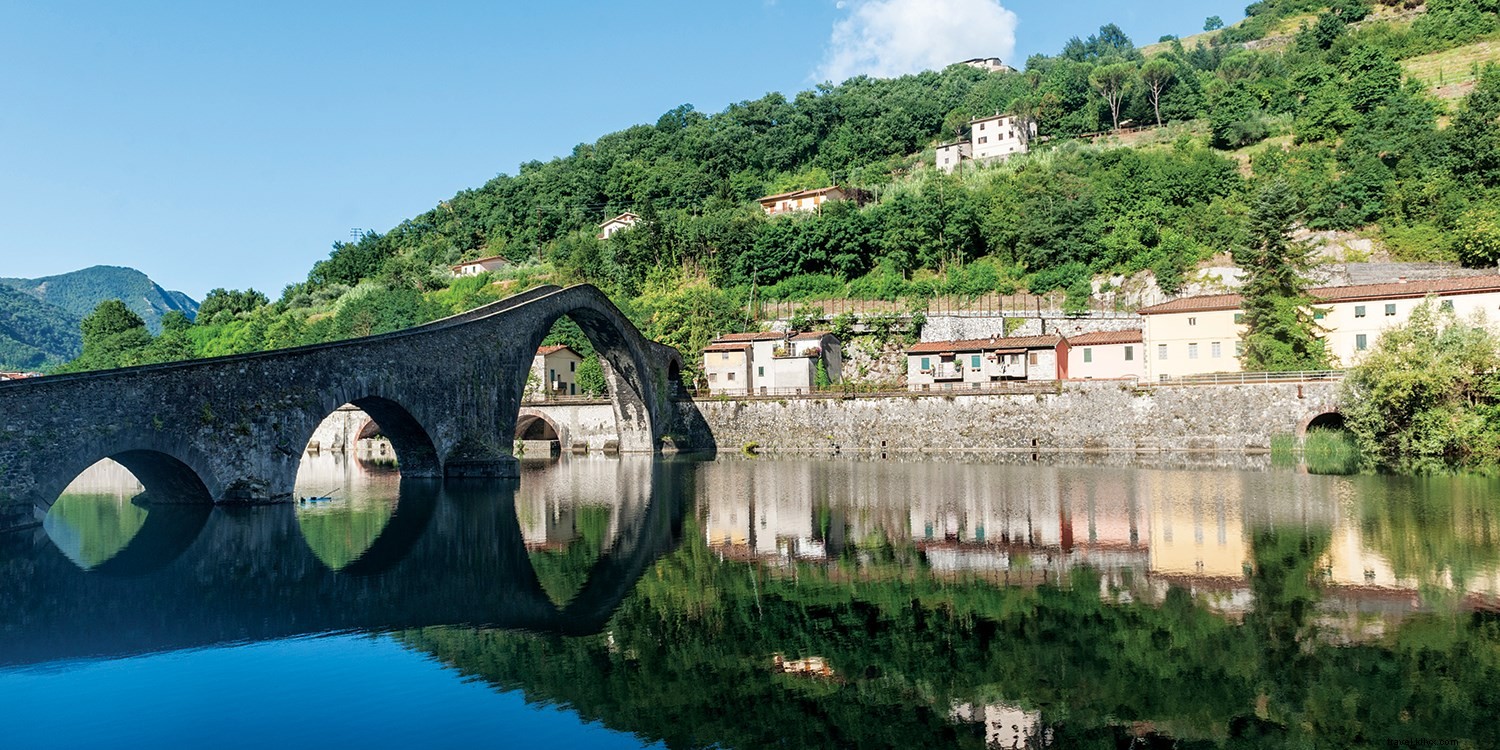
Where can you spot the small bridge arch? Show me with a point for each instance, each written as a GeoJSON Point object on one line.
{"type": "Point", "coordinates": [1330, 419]}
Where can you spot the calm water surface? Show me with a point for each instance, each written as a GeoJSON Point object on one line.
{"type": "Point", "coordinates": [756, 603]}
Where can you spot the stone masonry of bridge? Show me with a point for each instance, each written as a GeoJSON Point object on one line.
{"type": "Point", "coordinates": [1105, 416]}
{"type": "Point", "coordinates": [233, 429]}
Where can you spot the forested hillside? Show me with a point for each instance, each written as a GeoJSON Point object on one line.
{"type": "Point", "coordinates": [1312, 94]}
{"type": "Point", "coordinates": [77, 293]}
{"type": "Point", "coordinates": [34, 335]}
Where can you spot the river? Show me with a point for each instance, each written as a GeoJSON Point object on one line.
{"type": "Point", "coordinates": [748, 603]}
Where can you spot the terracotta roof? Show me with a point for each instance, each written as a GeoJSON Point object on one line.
{"type": "Point", "coordinates": [553, 349]}
{"type": "Point", "coordinates": [1396, 290]}
{"type": "Point", "coordinates": [811, 335]}
{"type": "Point", "coordinates": [727, 346]}
{"type": "Point", "coordinates": [984, 345]}
{"type": "Point", "coordinates": [1413, 288]}
{"type": "Point", "coordinates": [1098, 338]}
{"type": "Point", "coordinates": [750, 336]}
{"type": "Point", "coordinates": [799, 194]}
{"type": "Point", "coordinates": [1201, 303]}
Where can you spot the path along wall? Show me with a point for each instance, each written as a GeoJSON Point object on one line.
{"type": "Point", "coordinates": [1080, 416]}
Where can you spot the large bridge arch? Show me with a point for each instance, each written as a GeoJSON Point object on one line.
{"type": "Point", "coordinates": [170, 471]}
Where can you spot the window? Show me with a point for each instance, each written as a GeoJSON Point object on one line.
{"type": "Point", "coordinates": [981, 126]}
{"type": "Point", "coordinates": [1390, 309]}
{"type": "Point", "coordinates": [974, 361]}
{"type": "Point", "coordinates": [1359, 311]}
{"type": "Point", "coordinates": [1361, 342]}
{"type": "Point", "coordinates": [572, 367]}
{"type": "Point", "coordinates": [1446, 304]}
{"type": "Point", "coordinates": [724, 356]}
{"type": "Point", "coordinates": [761, 371]}
{"type": "Point", "coordinates": [551, 374]}
{"type": "Point", "coordinates": [984, 139]}
{"type": "Point", "coordinates": [730, 376]}
{"type": "Point", "coordinates": [1192, 321]}
{"type": "Point", "coordinates": [1318, 314]}
{"type": "Point", "coordinates": [713, 377]}
{"type": "Point", "coordinates": [1088, 354]}
{"type": "Point", "coordinates": [1214, 350]}
{"type": "Point", "coordinates": [1129, 354]}
{"type": "Point", "coordinates": [1192, 351]}
{"type": "Point", "coordinates": [926, 363]}
{"type": "Point", "coordinates": [1161, 351]}
{"type": "Point", "coordinates": [1032, 358]}
{"type": "Point", "coordinates": [1239, 318]}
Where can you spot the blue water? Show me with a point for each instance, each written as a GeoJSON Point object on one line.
{"type": "Point", "coordinates": [337, 691]}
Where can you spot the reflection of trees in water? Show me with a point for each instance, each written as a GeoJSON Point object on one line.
{"type": "Point", "coordinates": [92, 528]}
{"type": "Point", "coordinates": [1441, 531]}
{"type": "Point", "coordinates": [339, 531]}
{"type": "Point", "coordinates": [687, 660]}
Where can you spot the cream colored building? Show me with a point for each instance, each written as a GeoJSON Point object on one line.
{"type": "Point", "coordinates": [1192, 336]}
{"type": "Point", "coordinates": [555, 370]}
{"type": "Point", "coordinates": [620, 223]}
{"type": "Point", "coordinates": [800, 200]}
{"type": "Point", "coordinates": [1202, 335]}
{"type": "Point", "coordinates": [1354, 317]}
{"type": "Point", "coordinates": [950, 155]}
{"type": "Point", "coordinates": [479, 266]}
{"type": "Point", "coordinates": [997, 137]}
{"type": "Point", "coordinates": [1106, 355]}
{"type": "Point", "coordinates": [988, 64]}
{"type": "Point", "coordinates": [970, 364]}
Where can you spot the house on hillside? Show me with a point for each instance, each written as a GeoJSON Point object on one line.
{"type": "Point", "coordinates": [19, 375]}
{"type": "Point", "coordinates": [950, 155]}
{"type": "Point", "coordinates": [800, 200]}
{"type": "Point", "coordinates": [997, 137]}
{"type": "Point", "coordinates": [988, 64]}
{"type": "Point", "coordinates": [555, 371]}
{"type": "Point", "coordinates": [970, 364]}
{"type": "Point", "coordinates": [624, 221]}
{"type": "Point", "coordinates": [479, 266]}
{"type": "Point", "coordinates": [1105, 355]}
{"type": "Point", "coordinates": [770, 362]}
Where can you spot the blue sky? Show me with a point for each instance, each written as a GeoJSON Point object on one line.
{"type": "Point", "coordinates": [213, 144]}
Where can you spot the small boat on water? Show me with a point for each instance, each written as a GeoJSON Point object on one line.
{"type": "Point", "coordinates": [318, 499]}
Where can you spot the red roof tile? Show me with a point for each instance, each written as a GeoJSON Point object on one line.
{"type": "Point", "coordinates": [1395, 290]}
{"type": "Point", "coordinates": [1099, 338]}
{"type": "Point", "coordinates": [554, 348]}
{"type": "Point", "coordinates": [1201, 303]}
{"type": "Point", "coordinates": [984, 345]}
{"type": "Point", "coordinates": [811, 335]}
{"type": "Point", "coordinates": [750, 336]}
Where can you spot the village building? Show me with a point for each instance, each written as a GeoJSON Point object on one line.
{"type": "Point", "coordinates": [770, 362]}
{"type": "Point", "coordinates": [970, 364]}
{"type": "Point", "coordinates": [1202, 335]}
{"type": "Point", "coordinates": [950, 155]}
{"type": "Point", "coordinates": [800, 200]}
{"type": "Point", "coordinates": [1105, 355]}
{"type": "Point", "coordinates": [624, 221]}
{"type": "Point", "coordinates": [479, 266]}
{"type": "Point", "coordinates": [988, 64]}
{"type": "Point", "coordinates": [555, 371]}
{"type": "Point", "coordinates": [19, 375]}
{"type": "Point", "coordinates": [997, 137]}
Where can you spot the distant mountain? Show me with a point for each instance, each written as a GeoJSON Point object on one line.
{"type": "Point", "coordinates": [33, 334]}
{"type": "Point", "coordinates": [77, 293]}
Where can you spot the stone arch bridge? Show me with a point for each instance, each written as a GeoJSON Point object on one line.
{"type": "Point", "coordinates": [233, 429]}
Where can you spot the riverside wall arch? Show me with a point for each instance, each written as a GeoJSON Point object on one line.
{"type": "Point", "coordinates": [450, 390]}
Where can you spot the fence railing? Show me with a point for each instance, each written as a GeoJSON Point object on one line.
{"type": "Point", "coordinates": [1249, 378]}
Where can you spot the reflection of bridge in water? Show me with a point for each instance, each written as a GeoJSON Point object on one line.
{"type": "Point", "coordinates": [199, 575]}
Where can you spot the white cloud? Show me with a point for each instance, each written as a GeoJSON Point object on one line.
{"type": "Point", "coordinates": [885, 38]}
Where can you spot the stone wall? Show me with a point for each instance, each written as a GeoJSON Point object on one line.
{"type": "Point", "coordinates": [1080, 416]}
{"type": "Point", "coordinates": [1024, 323]}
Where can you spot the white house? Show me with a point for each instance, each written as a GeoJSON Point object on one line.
{"type": "Point", "coordinates": [971, 363]}
{"type": "Point", "coordinates": [1106, 355]}
{"type": "Point", "coordinates": [624, 221]}
{"type": "Point", "coordinates": [988, 64]}
{"type": "Point", "coordinates": [997, 137]}
{"type": "Point", "coordinates": [479, 266]}
{"type": "Point", "coordinates": [800, 200]}
{"type": "Point", "coordinates": [770, 362]}
{"type": "Point", "coordinates": [555, 369]}
{"type": "Point", "coordinates": [950, 155]}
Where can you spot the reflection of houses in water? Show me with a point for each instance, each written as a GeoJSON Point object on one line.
{"type": "Point", "coordinates": [105, 478]}
{"type": "Point", "coordinates": [553, 499]}
{"type": "Point", "coordinates": [1006, 727]}
{"type": "Point", "coordinates": [1142, 530]}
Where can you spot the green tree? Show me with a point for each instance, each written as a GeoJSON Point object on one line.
{"type": "Point", "coordinates": [1213, 23]}
{"type": "Point", "coordinates": [1428, 389]}
{"type": "Point", "coordinates": [1156, 75]}
{"type": "Point", "coordinates": [1113, 82]}
{"type": "Point", "coordinates": [113, 336]}
{"type": "Point", "coordinates": [1233, 115]}
{"type": "Point", "coordinates": [1279, 330]}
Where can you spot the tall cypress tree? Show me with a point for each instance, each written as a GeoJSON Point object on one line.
{"type": "Point", "coordinates": [1280, 333]}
